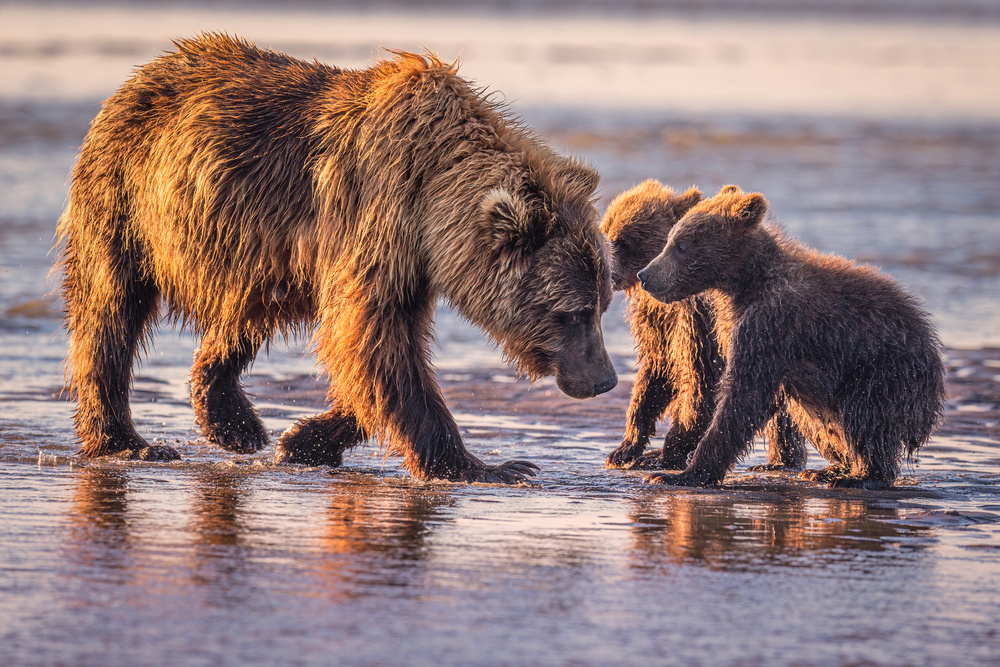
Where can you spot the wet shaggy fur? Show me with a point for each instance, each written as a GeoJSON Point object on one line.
{"type": "Point", "coordinates": [679, 358]}
{"type": "Point", "coordinates": [253, 195]}
{"type": "Point", "coordinates": [853, 354]}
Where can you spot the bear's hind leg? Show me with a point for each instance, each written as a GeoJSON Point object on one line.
{"type": "Point", "coordinates": [320, 440]}
{"type": "Point", "coordinates": [109, 309]}
{"type": "Point", "coordinates": [860, 466]}
{"type": "Point", "coordinates": [872, 445]}
{"type": "Point", "coordinates": [221, 407]}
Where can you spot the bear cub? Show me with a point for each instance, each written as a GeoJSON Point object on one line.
{"type": "Point", "coordinates": [679, 358]}
{"type": "Point", "coordinates": [854, 356]}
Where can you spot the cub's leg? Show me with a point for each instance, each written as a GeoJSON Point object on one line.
{"type": "Point", "coordinates": [825, 431]}
{"type": "Point", "coordinates": [681, 440]}
{"type": "Point", "coordinates": [745, 401]}
{"type": "Point", "coordinates": [865, 444]}
{"type": "Point", "coordinates": [221, 407]}
{"type": "Point", "coordinates": [651, 394]}
{"type": "Point", "coordinates": [680, 366]}
{"type": "Point", "coordinates": [786, 448]}
{"type": "Point", "coordinates": [109, 308]}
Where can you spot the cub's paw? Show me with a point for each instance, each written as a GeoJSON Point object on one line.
{"type": "Point", "coordinates": [672, 459]}
{"type": "Point", "coordinates": [682, 479]}
{"type": "Point", "coordinates": [652, 460]}
{"type": "Point", "coordinates": [826, 475]}
{"type": "Point", "coordinates": [774, 467]}
{"type": "Point", "coordinates": [149, 453]}
{"type": "Point", "coordinates": [853, 482]}
{"type": "Point", "coordinates": [625, 456]}
{"type": "Point", "coordinates": [510, 472]}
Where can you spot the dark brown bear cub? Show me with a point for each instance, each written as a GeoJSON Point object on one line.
{"type": "Point", "coordinates": [854, 355]}
{"type": "Point", "coordinates": [679, 359]}
{"type": "Point", "coordinates": [254, 195]}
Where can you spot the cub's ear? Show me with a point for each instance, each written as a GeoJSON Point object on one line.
{"type": "Point", "coordinates": [508, 219]}
{"type": "Point", "coordinates": [729, 190]}
{"type": "Point", "coordinates": [686, 202]}
{"type": "Point", "coordinates": [750, 210]}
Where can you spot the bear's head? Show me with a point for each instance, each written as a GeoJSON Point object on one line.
{"type": "Point", "coordinates": [637, 224]}
{"type": "Point", "coordinates": [707, 248]}
{"type": "Point", "coordinates": [547, 277]}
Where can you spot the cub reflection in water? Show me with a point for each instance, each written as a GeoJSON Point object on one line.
{"type": "Point", "coordinates": [726, 532]}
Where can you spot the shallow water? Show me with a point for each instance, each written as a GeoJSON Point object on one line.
{"type": "Point", "coordinates": [225, 559]}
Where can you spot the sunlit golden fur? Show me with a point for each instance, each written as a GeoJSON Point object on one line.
{"type": "Point", "coordinates": [253, 194]}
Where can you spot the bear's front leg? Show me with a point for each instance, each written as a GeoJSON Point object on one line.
{"type": "Point", "coordinates": [221, 407]}
{"type": "Point", "coordinates": [381, 375]}
{"type": "Point", "coordinates": [320, 440]}
{"type": "Point", "coordinates": [434, 448]}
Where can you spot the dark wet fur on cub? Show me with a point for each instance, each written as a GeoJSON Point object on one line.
{"type": "Point", "coordinates": [679, 358]}
{"type": "Point", "coordinates": [255, 195]}
{"type": "Point", "coordinates": [855, 356]}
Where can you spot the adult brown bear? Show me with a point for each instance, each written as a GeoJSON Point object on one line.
{"type": "Point", "coordinates": [254, 195]}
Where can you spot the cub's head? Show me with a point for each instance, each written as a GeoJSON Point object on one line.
{"type": "Point", "coordinates": [637, 224]}
{"type": "Point", "coordinates": [548, 273]}
{"type": "Point", "coordinates": [706, 249]}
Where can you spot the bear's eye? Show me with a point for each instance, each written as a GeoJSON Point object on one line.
{"type": "Point", "coordinates": [681, 248]}
{"type": "Point", "coordinates": [576, 317]}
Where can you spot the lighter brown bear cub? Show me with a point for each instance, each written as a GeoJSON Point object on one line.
{"type": "Point", "coordinates": [253, 194]}
{"type": "Point", "coordinates": [679, 358]}
{"type": "Point", "coordinates": [854, 355]}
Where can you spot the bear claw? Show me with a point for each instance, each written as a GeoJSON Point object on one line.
{"type": "Point", "coordinates": [773, 467]}
{"type": "Point", "coordinates": [509, 472]}
{"type": "Point", "coordinates": [149, 453]}
{"type": "Point", "coordinates": [624, 457]}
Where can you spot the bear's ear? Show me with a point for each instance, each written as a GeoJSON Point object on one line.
{"type": "Point", "coordinates": [580, 178]}
{"type": "Point", "coordinates": [508, 219]}
{"type": "Point", "coordinates": [686, 202]}
{"type": "Point", "coordinates": [750, 210]}
{"type": "Point", "coordinates": [729, 190]}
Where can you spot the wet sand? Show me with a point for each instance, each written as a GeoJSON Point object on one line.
{"type": "Point", "coordinates": [224, 559]}
{"type": "Point", "coordinates": [229, 559]}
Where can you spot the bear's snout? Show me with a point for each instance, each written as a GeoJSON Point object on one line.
{"type": "Point", "coordinates": [583, 368]}
{"type": "Point", "coordinates": [642, 276]}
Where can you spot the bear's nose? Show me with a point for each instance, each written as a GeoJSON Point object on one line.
{"type": "Point", "coordinates": [642, 275]}
{"type": "Point", "coordinates": [606, 385]}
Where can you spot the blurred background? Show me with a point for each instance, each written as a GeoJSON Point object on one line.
{"type": "Point", "coordinates": [872, 127]}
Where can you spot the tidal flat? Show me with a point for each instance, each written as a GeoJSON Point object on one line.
{"type": "Point", "coordinates": [225, 559]}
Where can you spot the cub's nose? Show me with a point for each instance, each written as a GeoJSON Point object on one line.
{"type": "Point", "coordinates": [642, 275]}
